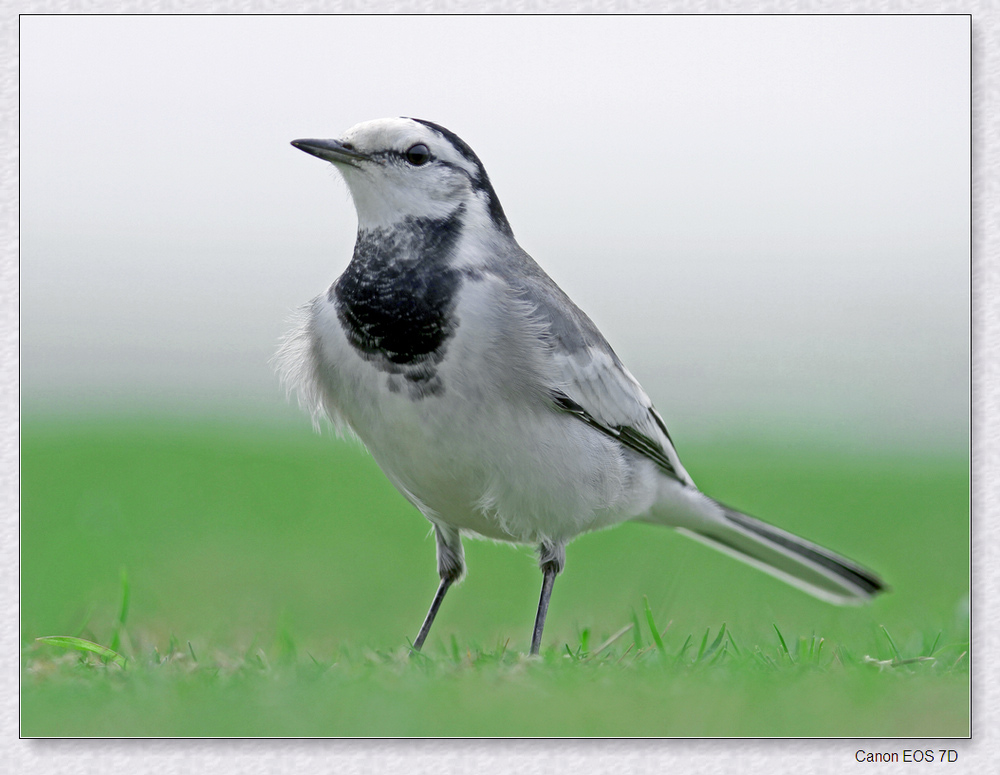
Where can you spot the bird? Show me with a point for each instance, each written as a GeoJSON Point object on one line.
{"type": "Point", "coordinates": [486, 396]}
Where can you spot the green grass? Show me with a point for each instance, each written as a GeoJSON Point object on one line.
{"type": "Point", "coordinates": [247, 581]}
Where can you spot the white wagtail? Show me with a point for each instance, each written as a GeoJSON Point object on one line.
{"type": "Point", "coordinates": [487, 397]}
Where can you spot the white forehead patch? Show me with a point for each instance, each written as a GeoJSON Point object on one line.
{"type": "Point", "coordinates": [400, 134]}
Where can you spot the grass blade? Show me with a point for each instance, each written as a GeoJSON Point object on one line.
{"type": "Point", "coordinates": [636, 634]}
{"type": "Point", "coordinates": [632, 646]}
{"type": "Point", "coordinates": [122, 613]}
{"type": "Point", "coordinates": [680, 654]}
{"type": "Point", "coordinates": [717, 642]}
{"type": "Point", "coordinates": [612, 639]}
{"type": "Point", "coordinates": [764, 659]}
{"type": "Point", "coordinates": [892, 643]}
{"type": "Point", "coordinates": [720, 654]}
{"type": "Point", "coordinates": [652, 625]}
{"type": "Point", "coordinates": [81, 644]}
{"type": "Point", "coordinates": [413, 653]}
{"type": "Point", "coordinates": [784, 646]}
{"type": "Point", "coordinates": [704, 643]}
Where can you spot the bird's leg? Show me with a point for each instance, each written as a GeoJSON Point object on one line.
{"type": "Point", "coordinates": [451, 566]}
{"type": "Point", "coordinates": [429, 619]}
{"type": "Point", "coordinates": [551, 559]}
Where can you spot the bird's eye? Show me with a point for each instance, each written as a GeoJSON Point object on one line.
{"type": "Point", "coordinates": [418, 154]}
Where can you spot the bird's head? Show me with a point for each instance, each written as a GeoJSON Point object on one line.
{"type": "Point", "coordinates": [403, 167]}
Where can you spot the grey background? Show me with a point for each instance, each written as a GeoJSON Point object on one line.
{"type": "Point", "coordinates": [769, 217]}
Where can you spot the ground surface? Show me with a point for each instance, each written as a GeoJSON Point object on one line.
{"type": "Point", "coordinates": [274, 576]}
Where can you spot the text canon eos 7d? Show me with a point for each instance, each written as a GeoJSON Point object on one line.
{"type": "Point", "coordinates": [930, 755]}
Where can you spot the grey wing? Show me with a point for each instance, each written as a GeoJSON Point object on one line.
{"type": "Point", "coordinates": [591, 383]}
{"type": "Point", "coordinates": [601, 392]}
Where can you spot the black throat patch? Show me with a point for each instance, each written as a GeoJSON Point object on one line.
{"type": "Point", "coordinates": [396, 300]}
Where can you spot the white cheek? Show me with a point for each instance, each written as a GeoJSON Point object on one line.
{"type": "Point", "coordinates": [390, 199]}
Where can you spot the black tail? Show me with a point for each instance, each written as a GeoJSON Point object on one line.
{"type": "Point", "coordinates": [812, 568]}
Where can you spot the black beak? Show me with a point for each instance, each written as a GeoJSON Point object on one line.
{"type": "Point", "coordinates": [330, 150]}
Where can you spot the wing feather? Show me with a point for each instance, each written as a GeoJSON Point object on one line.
{"type": "Point", "coordinates": [589, 380]}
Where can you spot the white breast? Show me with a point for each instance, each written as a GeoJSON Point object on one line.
{"type": "Point", "coordinates": [489, 454]}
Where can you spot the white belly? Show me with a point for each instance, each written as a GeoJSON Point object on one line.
{"type": "Point", "coordinates": [486, 452]}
